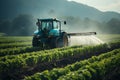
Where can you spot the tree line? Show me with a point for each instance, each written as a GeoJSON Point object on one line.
{"type": "Point", "coordinates": [20, 25]}
{"type": "Point", "coordinates": [24, 25]}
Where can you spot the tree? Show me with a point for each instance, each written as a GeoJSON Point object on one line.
{"type": "Point", "coordinates": [23, 25]}
{"type": "Point", "coordinates": [114, 25]}
{"type": "Point", "coordinates": [5, 26]}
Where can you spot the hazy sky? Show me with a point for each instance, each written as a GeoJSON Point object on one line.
{"type": "Point", "coordinates": [103, 5]}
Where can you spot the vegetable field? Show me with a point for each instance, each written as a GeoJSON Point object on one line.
{"type": "Point", "coordinates": [19, 60]}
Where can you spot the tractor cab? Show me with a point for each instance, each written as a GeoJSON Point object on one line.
{"type": "Point", "coordinates": [51, 27]}
{"type": "Point", "coordinates": [49, 33]}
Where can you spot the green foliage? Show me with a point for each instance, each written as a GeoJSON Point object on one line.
{"type": "Point", "coordinates": [14, 39]}
{"type": "Point", "coordinates": [12, 45]}
{"type": "Point", "coordinates": [91, 69]}
{"type": "Point", "coordinates": [96, 70]}
{"type": "Point", "coordinates": [18, 50]}
{"type": "Point", "coordinates": [17, 56]}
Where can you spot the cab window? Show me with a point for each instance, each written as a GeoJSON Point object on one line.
{"type": "Point", "coordinates": [56, 24]}
{"type": "Point", "coordinates": [46, 25]}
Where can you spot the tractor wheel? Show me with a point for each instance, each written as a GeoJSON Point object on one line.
{"type": "Point", "coordinates": [65, 40]}
{"type": "Point", "coordinates": [62, 41]}
{"type": "Point", "coordinates": [36, 42]}
{"type": "Point", "coordinates": [58, 42]}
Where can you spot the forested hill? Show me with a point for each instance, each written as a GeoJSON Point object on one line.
{"type": "Point", "coordinates": [12, 8]}
{"type": "Point", "coordinates": [18, 17]}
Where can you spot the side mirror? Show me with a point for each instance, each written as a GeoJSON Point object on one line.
{"type": "Point", "coordinates": [38, 24]}
{"type": "Point", "coordinates": [64, 22]}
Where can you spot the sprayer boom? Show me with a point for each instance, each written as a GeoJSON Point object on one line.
{"type": "Point", "coordinates": [82, 34]}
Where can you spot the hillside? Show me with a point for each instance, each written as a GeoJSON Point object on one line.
{"type": "Point", "coordinates": [43, 8]}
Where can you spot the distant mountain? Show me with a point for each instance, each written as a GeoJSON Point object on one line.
{"type": "Point", "coordinates": [52, 8]}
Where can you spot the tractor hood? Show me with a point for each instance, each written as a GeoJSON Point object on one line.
{"type": "Point", "coordinates": [54, 32]}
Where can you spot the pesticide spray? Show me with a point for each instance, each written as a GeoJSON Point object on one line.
{"type": "Point", "coordinates": [85, 40]}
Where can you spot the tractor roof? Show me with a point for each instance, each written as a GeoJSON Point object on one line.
{"type": "Point", "coordinates": [49, 19]}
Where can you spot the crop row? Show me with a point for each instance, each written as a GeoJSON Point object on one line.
{"type": "Point", "coordinates": [20, 63]}
{"type": "Point", "coordinates": [18, 50]}
{"type": "Point", "coordinates": [23, 50]}
{"type": "Point", "coordinates": [14, 39]}
{"type": "Point", "coordinates": [40, 51]}
{"type": "Point", "coordinates": [91, 69]}
{"type": "Point", "coordinates": [11, 45]}
{"type": "Point", "coordinates": [97, 70]}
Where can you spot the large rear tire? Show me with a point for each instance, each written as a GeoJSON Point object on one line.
{"type": "Point", "coordinates": [62, 41]}
{"type": "Point", "coordinates": [65, 40]}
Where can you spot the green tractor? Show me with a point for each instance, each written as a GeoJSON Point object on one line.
{"type": "Point", "coordinates": [49, 34]}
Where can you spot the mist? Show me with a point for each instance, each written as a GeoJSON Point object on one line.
{"type": "Point", "coordinates": [85, 40]}
{"type": "Point", "coordinates": [76, 24]}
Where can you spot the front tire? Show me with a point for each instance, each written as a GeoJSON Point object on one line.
{"type": "Point", "coordinates": [36, 42]}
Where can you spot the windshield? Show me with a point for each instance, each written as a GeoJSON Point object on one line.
{"type": "Point", "coordinates": [46, 25]}
{"type": "Point", "coordinates": [56, 24]}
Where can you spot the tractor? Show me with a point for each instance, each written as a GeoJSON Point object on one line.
{"type": "Point", "coordinates": [49, 34]}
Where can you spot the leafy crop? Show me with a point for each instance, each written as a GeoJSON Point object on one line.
{"type": "Point", "coordinates": [12, 45]}
{"type": "Point", "coordinates": [27, 61]}
{"type": "Point", "coordinates": [90, 69]}
{"type": "Point", "coordinates": [19, 59]}
{"type": "Point", "coordinates": [18, 50]}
